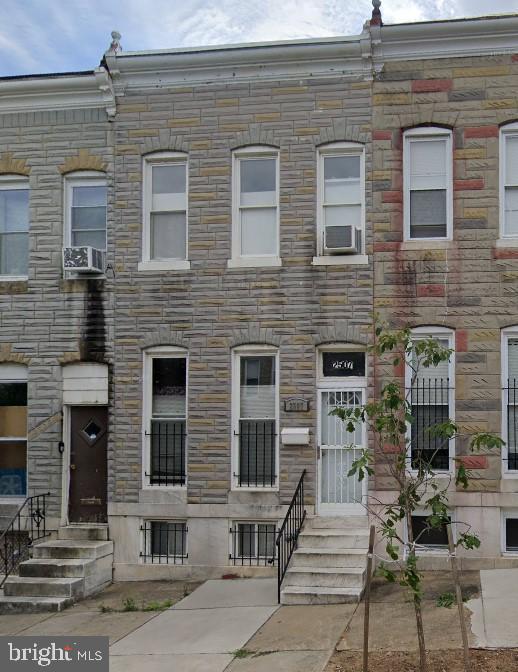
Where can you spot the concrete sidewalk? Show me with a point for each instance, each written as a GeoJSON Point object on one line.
{"type": "Point", "coordinates": [200, 633]}
{"type": "Point", "coordinates": [494, 615]}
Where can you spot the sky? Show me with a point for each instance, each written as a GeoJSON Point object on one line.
{"type": "Point", "coordinates": [64, 35]}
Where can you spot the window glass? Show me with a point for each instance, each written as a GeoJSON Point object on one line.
{"type": "Point", "coordinates": [258, 178]}
{"type": "Point", "coordinates": [424, 536]}
{"type": "Point", "coordinates": [169, 179]}
{"type": "Point", "coordinates": [169, 539]}
{"type": "Point", "coordinates": [257, 387]}
{"type": "Point", "coordinates": [169, 376]}
{"type": "Point", "coordinates": [88, 216]}
{"type": "Point", "coordinates": [167, 211]}
{"type": "Point", "coordinates": [13, 437]}
{"type": "Point", "coordinates": [342, 179]}
{"type": "Point", "coordinates": [14, 228]}
{"type": "Point", "coordinates": [258, 231]}
{"type": "Point", "coordinates": [511, 534]}
{"type": "Point", "coordinates": [168, 235]}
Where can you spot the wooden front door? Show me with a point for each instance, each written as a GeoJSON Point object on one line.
{"type": "Point", "coordinates": [88, 468]}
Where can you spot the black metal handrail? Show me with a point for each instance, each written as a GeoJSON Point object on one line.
{"type": "Point", "coordinates": [289, 531]}
{"type": "Point", "coordinates": [18, 537]}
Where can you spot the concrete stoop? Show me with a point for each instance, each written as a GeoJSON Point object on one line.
{"type": "Point", "coordinates": [330, 563]}
{"type": "Point", "coordinates": [77, 564]}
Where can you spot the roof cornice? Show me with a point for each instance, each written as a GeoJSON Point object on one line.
{"type": "Point", "coordinates": [447, 39]}
{"type": "Point", "coordinates": [58, 92]}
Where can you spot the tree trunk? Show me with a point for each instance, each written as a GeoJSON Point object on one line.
{"type": "Point", "coordinates": [423, 663]}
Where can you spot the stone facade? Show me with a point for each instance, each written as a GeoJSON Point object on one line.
{"type": "Point", "coordinates": [467, 284]}
{"type": "Point", "coordinates": [47, 321]}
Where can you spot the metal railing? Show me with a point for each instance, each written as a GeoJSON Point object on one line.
{"type": "Point", "coordinates": [167, 452]}
{"type": "Point", "coordinates": [26, 527]}
{"type": "Point", "coordinates": [288, 535]}
{"type": "Point", "coordinates": [511, 396]}
{"type": "Point", "coordinates": [430, 402]}
{"type": "Point", "coordinates": [257, 454]}
{"type": "Point", "coordinates": [253, 544]}
{"type": "Point", "coordinates": [164, 542]}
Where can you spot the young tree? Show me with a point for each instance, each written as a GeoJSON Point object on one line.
{"type": "Point", "coordinates": [409, 448]}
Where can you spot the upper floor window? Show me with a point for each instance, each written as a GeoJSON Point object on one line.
{"type": "Point", "coordinates": [85, 210]}
{"type": "Point", "coordinates": [14, 227]}
{"type": "Point", "coordinates": [255, 230]}
{"type": "Point", "coordinates": [165, 239]}
{"type": "Point", "coordinates": [428, 199]}
{"type": "Point", "coordinates": [341, 199]}
{"type": "Point", "coordinates": [431, 394]}
{"type": "Point", "coordinates": [509, 181]}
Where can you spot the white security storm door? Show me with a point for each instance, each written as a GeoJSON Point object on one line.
{"type": "Point", "coordinates": [339, 494]}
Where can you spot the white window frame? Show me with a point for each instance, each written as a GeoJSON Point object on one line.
{"type": "Point", "coordinates": [509, 130]}
{"type": "Point", "coordinates": [339, 149]}
{"type": "Point", "coordinates": [237, 354]}
{"type": "Point", "coordinates": [148, 161]}
{"type": "Point", "coordinates": [9, 182]}
{"type": "Point", "coordinates": [505, 514]}
{"type": "Point", "coordinates": [80, 179]}
{"type": "Point", "coordinates": [243, 261]}
{"type": "Point", "coordinates": [146, 543]}
{"type": "Point", "coordinates": [160, 352]}
{"type": "Point", "coordinates": [427, 133]}
{"type": "Point", "coordinates": [507, 334]}
{"type": "Point", "coordinates": [430, 550]}
{"type": "Point", "coordinates": [439, 333]}
{"type": "Point", "coordinates": [235, 526]}
{"type": "Point", "coordinates": [17, 373]}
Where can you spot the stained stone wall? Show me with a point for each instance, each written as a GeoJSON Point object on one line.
{"type": "Point", "coordinates": [48, 321]}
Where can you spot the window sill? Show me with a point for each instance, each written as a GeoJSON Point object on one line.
{"type": "Point", "coordinates": [341, 260]}
{"type": "Point", "coordinates": [14, 278]}
{"type": "Point", "coordinates": [244, 488]}
{"type": "Point", "coordinates": [165, 265]}
{"type": "Point", "coordinates": [148, 486]}
{"type": "Point", "coordinates": [509, 474]}
{"type": "Point", "coordinates": [254, 262]}
{"type": "Point", "coordinates": [426, 244]}
{"type": "Point", "coordinates": [507, 242]}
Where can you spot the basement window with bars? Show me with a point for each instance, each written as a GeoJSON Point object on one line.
{"type": "Point", "coordinates": [255, 427]}
{"type": "Point", "coordinates": [253, 543]}
{"type": "Point", "coordinates": [430, 538]}
{"type": "Point", "coordinates": [164, 542]}
{"type": "Point", "coordinates": [431, 395]}
{"type": "Point", "coordinates": [428, 184]}
{"type": "Point", "coordinates": [510, 532]}
{"type": "Point", "coordinates": [166, 417]}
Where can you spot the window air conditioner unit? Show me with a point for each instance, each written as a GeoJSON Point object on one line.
{"type": "Point", "coordinates": [342, 239]}
{"type": "Point", "coordinates": [84, 259]}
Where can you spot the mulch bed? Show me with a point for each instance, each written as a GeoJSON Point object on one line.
{"type": "Point", "coordinates": [499, 660]}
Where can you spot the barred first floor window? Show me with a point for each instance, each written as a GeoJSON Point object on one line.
{"type": "Point", "coordinates": [253, 543]}
{"type": "Point", "coordinates": [431, 397]}
{"type": "Point", "coordinates": [164, 542]}
{"type": "Point", "coordinates": [510, 400]}
{"type": "Point", "coordinates": [165, 419]}
{"type": "Point", "coordinates": [256, 427]}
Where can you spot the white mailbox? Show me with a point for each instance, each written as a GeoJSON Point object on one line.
{"type": "Point", "coordinates": [295, 436]}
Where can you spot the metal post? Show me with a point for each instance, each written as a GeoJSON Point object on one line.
{"type": "Point", "coordinates": [367, 602]}
{"type": "Point", "coordinates": [460, 604]}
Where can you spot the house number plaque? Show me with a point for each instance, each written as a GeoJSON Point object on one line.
{"type": "Point", "coordinates": [296, 405]}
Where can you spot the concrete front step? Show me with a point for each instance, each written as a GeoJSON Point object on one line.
{"type": "Point", "coordinates": [329, 557]}
{"type": "Point", "coordinates": [320, 595]}
{"type": "Point", "coordinates": [328, 538]}
{"type": "Point", "coordinates": [81, 532]}
{"type": "Point", "coordinates": [43, 587]}
{"type": "Point", "coordinates": [33, 605]}
{"type": "Point", "coordinates": [56, 568]}
{"type": "Point", "coordinates": [325, 577]}
{"type": "Point", "coordinates": [336, 522]}
{"type": "Point", "coordinates": [67, 548]}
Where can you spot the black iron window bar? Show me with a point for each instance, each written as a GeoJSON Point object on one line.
{"type": "Point", "coordinates": [253, 544]}
{"type": "Point", "coordinates": [511, 395]}
{"type": "Point", "coordinates": [167, 452]}
{"type": "Point", "coordinates": [164, 542]}
{"type": "Point", "coordinates": [257, 454]}
{"type": "Point", "coordinates": [430, 402]}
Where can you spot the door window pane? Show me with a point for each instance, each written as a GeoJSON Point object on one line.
{"type": "Point", "coordinates": [168, 235]}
